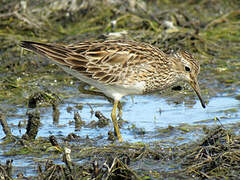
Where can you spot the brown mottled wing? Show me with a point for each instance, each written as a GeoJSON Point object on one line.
{"type": "Point", "coordinates": [106, 61]}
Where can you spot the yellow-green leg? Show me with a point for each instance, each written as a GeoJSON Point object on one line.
{"type": "Point", "coordinates": [115, 122]}
{"type": "Point", "coordinates": [120, 110]}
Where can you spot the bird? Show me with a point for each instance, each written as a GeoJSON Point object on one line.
{"type": "Point", "coordinates": [119, 68]}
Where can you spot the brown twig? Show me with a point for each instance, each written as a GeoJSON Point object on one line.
{"type": "Point", "coordinates": [5, 126]}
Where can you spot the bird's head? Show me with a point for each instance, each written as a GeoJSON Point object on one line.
{"type": "Point", "coordinates": [187, 69]}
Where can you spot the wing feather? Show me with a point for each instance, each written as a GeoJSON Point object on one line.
{"type": "Point", "coordinates": [107, 61]}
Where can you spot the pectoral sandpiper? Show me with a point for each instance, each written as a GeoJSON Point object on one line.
{"type": "Point", "coordinates": [119, 68]}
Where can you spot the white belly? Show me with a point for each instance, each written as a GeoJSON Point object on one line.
{"type": "Point", "coordinates": [111, 90]}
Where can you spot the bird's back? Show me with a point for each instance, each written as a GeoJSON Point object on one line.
{"type": "Point", "coordinates": [109, 62]}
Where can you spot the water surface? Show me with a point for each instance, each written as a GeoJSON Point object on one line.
{"type": "Point", "coordinates": [149, 113]}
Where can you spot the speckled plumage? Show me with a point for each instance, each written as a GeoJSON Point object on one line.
{"type": "Point", "coordinates": [119, 68]}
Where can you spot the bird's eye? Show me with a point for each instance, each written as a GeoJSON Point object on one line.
{"type": "Point", "coordinates": [187, 69]}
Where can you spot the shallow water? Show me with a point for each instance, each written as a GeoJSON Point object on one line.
{"type": "Point", "coordinates": [149, 113]}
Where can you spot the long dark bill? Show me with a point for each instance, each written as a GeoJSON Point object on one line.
{"type": "Point", "coordinates": [196, 88]}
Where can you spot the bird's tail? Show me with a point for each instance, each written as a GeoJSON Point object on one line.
{"type": "Point", "coordinates": [55, 52]}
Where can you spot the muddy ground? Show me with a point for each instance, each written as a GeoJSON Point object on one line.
{"type": "Point", "coordinates": [208, 29]}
